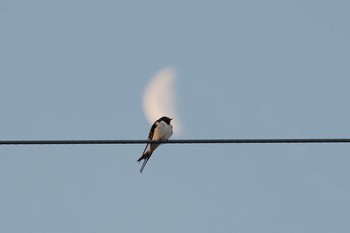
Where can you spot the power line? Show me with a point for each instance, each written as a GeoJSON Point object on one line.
{"type": "Point", "coordinates": [182, 141]}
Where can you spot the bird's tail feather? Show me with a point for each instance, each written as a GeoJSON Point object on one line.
{"type": "Point", "coordinates": [145, 157]}
{"type": "Point", "coordinates": [144, 164]}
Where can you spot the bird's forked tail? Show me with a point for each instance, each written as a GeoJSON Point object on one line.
{"type": "Point", "coordinates": [145, 157]}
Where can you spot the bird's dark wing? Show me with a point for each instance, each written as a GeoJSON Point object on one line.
{"type": "Point", "coordinates": [150, 136]}
{"type": "Point", "coordinates": [151, 132]}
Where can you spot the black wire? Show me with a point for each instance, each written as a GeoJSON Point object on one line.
{"type": "Point", "coordinates": [183, 141]}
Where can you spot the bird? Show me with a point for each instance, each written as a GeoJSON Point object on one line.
{"type": "Point", "coordinates": [161, 130]}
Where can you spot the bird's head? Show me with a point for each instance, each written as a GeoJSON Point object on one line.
{"type": "Point", "coordinates": [165, 119]}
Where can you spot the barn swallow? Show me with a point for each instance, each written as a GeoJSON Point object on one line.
{"type": "Point", "coordinates": [161, 130]}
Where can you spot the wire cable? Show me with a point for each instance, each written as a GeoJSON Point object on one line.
{"type": "Point", "coordinates": [182, 141]}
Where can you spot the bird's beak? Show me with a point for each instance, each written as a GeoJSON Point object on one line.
{"type": "Point", "coordinates": [171, 119]}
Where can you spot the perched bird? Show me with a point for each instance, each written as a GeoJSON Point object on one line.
{"type": "Point", "coordinates": [161, 131]}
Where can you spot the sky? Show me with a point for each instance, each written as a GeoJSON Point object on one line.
{"type": "Point", "coordinates": [244, 69]}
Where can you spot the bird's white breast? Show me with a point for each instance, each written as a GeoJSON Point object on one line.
{"type": "Point", "coordinates": [163, 131]}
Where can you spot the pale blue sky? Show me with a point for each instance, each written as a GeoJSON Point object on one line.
{"type": "Point", "coordinates": [245, 69]}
